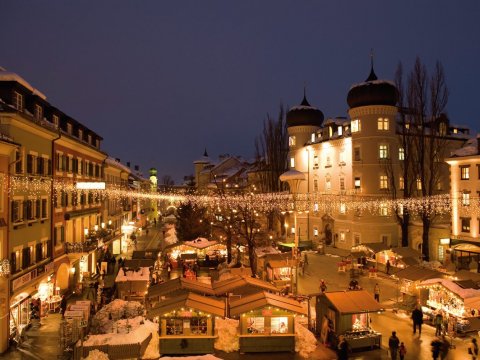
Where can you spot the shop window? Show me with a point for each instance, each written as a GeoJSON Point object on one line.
{"type": "Point", "coordinates": [356, 125]}
{"type": "Point", "coordinates": [279, 325]}
{"type": "Point", "coordinates": [465, 224]}
{"type": "Point", "coordinates": [465, 172]}
{"type": "Point", "coordinates": [256, 325]}
{"type": "Point", "coordinates": [174, 326]}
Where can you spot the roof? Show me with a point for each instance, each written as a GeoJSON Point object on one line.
{"type": "Point", "coordinates": [138, 263]}
{"type": "Point", "coordinates": [455, 288]}
{"type": "Point", "coordinates": [200, 243]}
{"type": "Point", "coordinates": [262, 299]}
{"type": "Point", "coordinates": [417, 272]}
{"type": "Point", "coordinates": [406, 252]}
{"type": "Point", "coordinates": [281, 263]}
{"type": "Point", "coordinates": [468, 149]}
{"type": "Point", "coordinates": [180, 284]}
{"type": "Point", "coordinates": [353, 302]}
{"type": "Point", "coordinates": [235, 282]}
{"type": "Point", "coordinates": [189, 300]}
{"type": "Point", "coordinates": [265, 250]}
{"type": "Point", "coordinates": [467, 275]}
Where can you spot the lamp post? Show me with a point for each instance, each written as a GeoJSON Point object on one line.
{"type": "Point", "coordinates": [293, 178]}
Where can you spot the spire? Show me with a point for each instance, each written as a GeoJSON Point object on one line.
{"type": "Point", "coordinates": [372, 76]}
{"type": "Point", "coordinates": [304, 101]}
{"type": "Point", "coordinates": [205, 153]}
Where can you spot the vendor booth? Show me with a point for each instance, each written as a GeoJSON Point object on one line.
{"type": "Point", "coordinates": [187, 323]}
{"type": "Point", "coordinates": [280, 272]}
{"type": "Point", "coordinates": [347, 313]}
{"type": "Point", "coordinates": [206, 253]}
{"type": "Point", "coordinates": [466, 256]}
{"type": "Point", "coordinates": [266, 322]}
{"type": "Point", "coordinates": [453, 301]}
{"type": "Point", "coordinates": [132, 284]}
{"type": "Point", "coordinates": [399, 257]}
{"type": "Point", "coordinates": [410, 277]}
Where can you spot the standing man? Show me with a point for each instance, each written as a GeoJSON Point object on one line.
{"type": "Point", "coordinates": [438, 324]}
{"type": "Point", "coordinates": [393, 344]}
{"type": "Point", "coordinates": [63, 305]}
{"type": "Point", "coordinates": [387, 265]}
{"type": "Point", "coordinates": [376, 292]}
{"type": "Point", "coordinates": [417, 317]}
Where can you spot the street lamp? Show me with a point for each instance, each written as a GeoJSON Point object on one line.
{"type": "Point", "coordinates": [293, 178]}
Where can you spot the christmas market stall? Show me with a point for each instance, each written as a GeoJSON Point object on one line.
{"type": "Point", "coordinates": [266, 322]}
{"type": "Point", "coordinates": [408, 279]}
{"type": "Point", "coordinates": [453, 301]}
{"type": "Point", "coordinates": [207, 253]}
{"type": "Point", "coordinates": [133, 284]}
{"type": "Point", "coordinates": [399, 257]}
{"type": "Point", "coordinates": [187, 323]}
{"type": "Point", "coordinates": [347, 313]}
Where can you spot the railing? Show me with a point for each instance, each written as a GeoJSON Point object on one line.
{"type": "Point", "coordinates": [81, 247]}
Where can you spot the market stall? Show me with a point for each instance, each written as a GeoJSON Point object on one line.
{"type": "Point", "coordinates": [187, 323]}
{"type": "Point", "coordinates": [133, 284]}
{"type": "Point", "coordinates": [449, 298]}
{"type": "Point", "coordinates": [347, 313]}
{"type": "Point", "coordinates": [408, 279]}
{"type": "Point", "coordinates": [399, 257]}
{"type": "Point", "coordinates": [280, 272]}
{"type": "Point", "coordinates": [266, 322]}
{"type": "Point", "coordinates": [206, 253]}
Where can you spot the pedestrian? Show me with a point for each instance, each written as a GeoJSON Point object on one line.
{"type": "Point", "coordinates": [438, 322]}
{"type": "Point", "coordinates": [436, 346]}
{"type": "Point", "coordinates": [342, 348]}
{"type": "Point", "coordinates": [393, 344]}
{"type": "Point", "coordinates": [402, 350]}
{"type": "Point", "coordinates": [155, 221]}
{"type": "Point", "coordinates": [305, 259]}
{"type": "Point", "coordinates": [376, 292]}
{"type": "Point", "coordinates": [473, 349]}
{"type": "Point", "coordinates": [387, 265]}
{"type": "Point", "coordinates": [146, 231]}
{"type": "Point", "coordinates": [323, 286]}
{"type": "Point", "coordinates": [417, 317]}
{"type": "Point", "coordinates": [63, 305]}
{"type": "Point", "coordinates": [444, 348]}
{"type": "Point", "coordinates": [169, 269]}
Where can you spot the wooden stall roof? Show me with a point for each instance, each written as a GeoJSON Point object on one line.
{"type": "Point", "coordinates": [178, 284]}
{"type": "Point", "coordinates": [137, 263]}
{"type": "Point", "coordinates": [353, 302]}
{"type": "Point", "coordinates": [281, 263]}
{"type": "Point", "coordinates": [262, 299]}
{"type": "Point", "coordinates": [233, 283]}
{"type": "Point", "coordinates": [417, 272]}
{"type": "Point", "coordinates": [189, 300]}
{"type": "Point", "coordinates": [467, 275]}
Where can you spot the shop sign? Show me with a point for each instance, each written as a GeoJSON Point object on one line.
{"type": "Point", "coordinates": [24, 279]}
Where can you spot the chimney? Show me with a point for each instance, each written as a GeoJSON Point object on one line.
{"type": "Point", "coordinates": [128, 163]}
{"type": "Point", "coordinates": [137, 168]}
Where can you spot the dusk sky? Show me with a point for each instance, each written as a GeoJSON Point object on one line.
{"type": "Point", "coordinates": [161, 81]}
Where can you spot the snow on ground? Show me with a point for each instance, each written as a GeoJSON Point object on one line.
{"type": "Point", "coordinates": [96, 355]}
{"type": "Point", "coordinates": [305, 341]}
{"type": "Point", "coordinates": [103, 321]}
{"type": "Point", "coordinates": [227, 339]}
{"type": "Point", "coordinates": [170, 235]}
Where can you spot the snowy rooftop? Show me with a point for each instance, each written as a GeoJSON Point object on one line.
{"type": "Point", "coordinates": [114, 162]}
{"type": "Point", "coordinates": [265, 250]}
{"type": "Point", "coordinates": [11, 76]}
{"type": "Point", "coordinates": [200, 243]}
{"type": "Point", "coordinates": [450, 285]}
{"type": "Point", "coordinates": [469, 149]}
{"type": "Point", "coordinates": [143, 274]}
{"type": "Point", "coordinates": [374, 82]}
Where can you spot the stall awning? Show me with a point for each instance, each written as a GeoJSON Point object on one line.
{"type": "Point", "coordinates": [353, 302]}
{"type": "Point", "coordinates": [170, 286]}
{"type": "Point", "coordinates": [262, 299]}
{"type": "Point", "coordinates": [236, 282]}
{"type": "Point", "coordinates": [189, 300]}
{"type": "Point", "coordinates": [417, 272]}
{"type": "Point", "coordinates": [281, 263]}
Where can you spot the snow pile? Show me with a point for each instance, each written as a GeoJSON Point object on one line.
{"type": "Point", "coordinates": [170, 235]}
{"type": "Point", "coordinates": [305, 341]}
{"type": "Point", "coordinates": [152, 351]}
{"type": "Point", "coordinates": [104, 319]}
{"type": "Point", "coordinates": [96, 355]}
{"type": "Point", "coordinates": [227, 339]}
{"type": "Point", "coordinates": [143, 274]}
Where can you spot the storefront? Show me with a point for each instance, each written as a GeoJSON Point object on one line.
{"type": "Point", "coordinates": [187, 323]}
{"type": "Point", "coordinates": [206, 253]}
{"type": "Point", "coordinates": [280, 272]}
{"type": "Point", "coordinates": [347, 313]}
{"type": "Point", "coordinates": [266, 322]}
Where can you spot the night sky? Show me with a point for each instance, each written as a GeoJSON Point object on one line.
{"type": "Point", "coordinates": [160, 81]}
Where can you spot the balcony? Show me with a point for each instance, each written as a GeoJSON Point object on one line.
{"type": "Point", "coordinates": [81, 247]}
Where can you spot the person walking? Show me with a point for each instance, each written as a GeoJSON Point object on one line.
{"type": "Point", "coordinates": [376, 292]}
{"type": "Point", "coordinates": [342, 348]}
{"type": "Point", "coordinates": [402, 350]}
{"type": "Point", "coordinates": [473, 349]}
{"type": "Point", "coordinates": [387, 266]}
{"type": "Point", "coordinates": [436, 346]}
{"type": "Point", "coordinates": [444, 349]}
{"type": "Point", "coordinates": [417, 317]}
{"type": "Point", "coordinates": [63, 306]}
{"type": "Point", "coordinates": [438, 322]}
{"type": "Point", "coordinates": [169, 269]}
{"type": "Point", "coordinates": [393, 345]}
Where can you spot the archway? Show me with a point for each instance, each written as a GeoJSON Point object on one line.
{"type": "Point", "coordinates": [62, 277]}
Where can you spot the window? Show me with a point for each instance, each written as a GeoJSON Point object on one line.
{"type": "Point", "coordinates": [342, 237]}
{"type": "Point", "coordinates": [465, 224]}
{"type": "Point", "coordinates": [401, 183]}
{"type": "Point", "coordinates": [383, 209]}
{"type": "Point", "coordinates": [357, 183]}
{"type": "Point", "coordinates": [44, 213]}
{"type": "Point", "coordinates": [30, 163]}
{"type": "Point", "coordinates": [343, 208]}
{"type": "Point", "coordinates": [400, 209]}
{"type": "Point", "coordinates": [341, 157]}
{"type": "Point", "coordinates": [356, 125]}
{"type": "Point", "coordinates": [292, 162]}
{"type": "Point", "coordinates": [315, 162]}
{"type": "Point", "coordinates": [419, 184]}
{"type": "Point", "coordinates": [465, 199]}
{"type": "Point", "coordinates": [342, 183]}
{"type": "Point", "coordinates": [455, 131]}
{"type": "Point", "coordinates": [383, 151]}
{"type": "Point", "coordinates": [328, 183]}
{"type": "Point", "coordinates": [256, 325]}
{"type": "Point", "coordinates": [18, 162]}
{"type": "Point", "coordinates": [80, 134]}
{"type": "Point", "coordinates": [384, 239]}
{"type": "Point", "coordinates": [279, 325]}
{"type": "Point", "coordinates": [40, 166]}
{"type": "Point", "coordinates": [55, 120]}
{"type": "Point", "coordinates": [312, 137]}
{"type": "Point", "coordinates": [59, 235]}
{"type": "Point", "coordinates": [401, 153]}
{"type": "Point", "coordinates": [315, 207]}
{"type": "Point", "coordinates": [292, 141]}
{"type": "Point", "coordinates": [292, 230]}
{"type": "Point", "coordinates": [465, 172]}
{"type": "Point", "coordinates": [90, 139]}
{"type": "Point", "coordinates": [18, 101]}
{"type": "Point", "coordinates": [17, 211]}
{"type": "Point", "coordinates": [330, 131]}
{"type": "Point", "coordinates": [38, 112]}
{"type": "Point", "coordinates": [356, 239]}
{"type": "Point", "coordinates": [340, 131]}
{"type": "Point", "coordinates": [29, 209]}
{"type": "Point", "coordinates": [315, 231]}
{"type": "Point", "coordinates": [198, 326]}
{"type": "Point", "coordinates": [174, 326]}
{"type": "Point", "coordinates": [38, 211]}
{"type": "Point", "coordinates": [69, 128]}
{"type": "Point", "coordinates": [315, 185]}
{"type": "Point", "coordinates": [356, 153]}
{"type": "Point", "coordinates": [328, 161]}
{"type": "Point", "coordinates": [383, 182]}
{"type": "Point", "coordinates": [382, 124]}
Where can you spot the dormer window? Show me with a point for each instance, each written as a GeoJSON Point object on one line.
{"type": "Point", "coordinates": [55, 120]}
{"type": "Point", "coordinates": [80, 134]}
{"type": "Point", "coordinates": [38, 112]}
{"type": "Point", "coordinates": [340, 131]}
{"type": "Point", "coordinates": [18, 102]}
{"type": "Point", "coordinates": [312, 137]}
{"type": "Point", "coordinates": [69, 128]}
{"type": "Point", "coordinates": [90, 139]}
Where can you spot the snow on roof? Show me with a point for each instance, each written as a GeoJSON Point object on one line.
{"type": "Point", "coordinates": [302, 107]}
{"type": "Point", "coordinates": [470, 148]}
{"type": "Point", "coordinates": [374, 82]}
{"type": "Point", "coordinates": [111, 161]}
{"type": "Point", "coordinates": [450, 285]}
{"type": "Point", "coordinates": [265, 250]}
{"type": "Point", "coordinates": [143, 274]}
{"type": "Point", "coordinates": [11, 76]}
{"type": "Point", "coordinates": [200, 243]}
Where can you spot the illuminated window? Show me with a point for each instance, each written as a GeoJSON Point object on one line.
{"type": "Point", "coordinates": [18, 102]}
{"type": "Point", "coordinates": [455, 131]}
{"type": "Point", "coordinates": [292, 162]}
{"type": "Point", "coordinates": [383, 151]}
{"type": "Point", "coordinates": [465, 172]}
{"type": "Point", "coordinates": [315, 207]}
{"type": "Point", "coordinates": [419, 184]}
{"type": "Point", "coordinates": [341, 157]}
{"type": "Point", "coordinates": [292, 230]}
{"type": "Point", "coordinates": [315, 231]}
{"type": "Point", "coordinates": [279, 325]}
{"type": "Point", "coordinates": [356, 125]}
{"type": "Point", "coordinates": [340, 131]}
{"type": "Point", "coordinates": [312, 137]}
{"type": "Point", "coordinates": [383, 209]}
{"type": "Point", "coordinates": [357, 183]}
{"type": "Point", "coordinates": [407, 126]}
{"type": "Point", "coordinates": [400, 209]}
{"type": "Point", "coordinates": [330, 131]}
{"type": "Point", "coordinates": [342, 237]}
{"type": "Point", "coordinates": [343, 208]}
{"type": "Point", "coordinates": [465, 224]}
{"type": "Point", "coordinates": [382, 124]}
{"type": "Point", "coordinates": [383, 182]}
{"type": "Point", "coordinates": [292, 140]}
{"type": "Point", "coordinates": [256, 325]}
{"type": "Point", "coordinates": [401, 153]}
{"type": "Point", "coordinates": [465, 199]}
{"type": "Point", "coordinates": [356, 153]}
{"type": "Point", "coordinates": [401, 183]}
